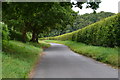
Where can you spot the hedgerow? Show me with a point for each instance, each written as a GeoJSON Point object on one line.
{"type": "Point", "coordinates": [103, 33]}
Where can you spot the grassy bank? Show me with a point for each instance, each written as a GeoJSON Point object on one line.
{"type": "Point", "coordinates": [103, 54]}
{"type": "Point", "coordinates": [18, 58]}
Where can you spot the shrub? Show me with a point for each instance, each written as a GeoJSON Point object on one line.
{"type": "Point", "coordinates": [5, 31]}
{"type": "Point", "coordinates": [15, 35]}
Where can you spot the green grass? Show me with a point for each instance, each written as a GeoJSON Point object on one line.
{"type": "Point", "coordinates": [0, 65]}
{"type": "Point", "coordinates": [19, 58]}
{"type": "Point", "coordinates": [41, 44]}
{"type": "Point", "coordinates": [103, 54]}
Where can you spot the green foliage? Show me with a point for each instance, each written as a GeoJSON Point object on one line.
{"type": "Point", "coordinates": [103, 33]}
{"type": "Point", "coordinates": [36, 17]}
{"type": "Point", "coordinates": [87, 19]}
{"type": "Point", "coordinates": [39, 17]}
{"type": "Point", "coordinates": [93, 5]}
{"type": "Point", "coordinates": [80, 21]}
{"type": "Point", "coordinates": [5, 31]}
{"type": "Point", "coordinates": [15, 35]}
{"type": "Point", "coordinates": [19, 58]}
{"type": "Point", "coordinates": [103, 54]}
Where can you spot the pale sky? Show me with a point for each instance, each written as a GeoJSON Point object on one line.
{"type": "Point", "coordinates": [105, 5]}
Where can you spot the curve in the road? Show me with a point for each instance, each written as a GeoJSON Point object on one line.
{"type": "Point", "coordinates": [60, 62]}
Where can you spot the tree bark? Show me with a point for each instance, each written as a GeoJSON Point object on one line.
{"type": "Point", "coordinates": [33, 37]}
{"type": "Point", "coordinates": [24, 35]}
{"type": "Point", "coordinates": [36, 38]}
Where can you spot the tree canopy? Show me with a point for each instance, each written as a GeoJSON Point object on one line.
{"type": "Point", "coordinates": [38, 17]}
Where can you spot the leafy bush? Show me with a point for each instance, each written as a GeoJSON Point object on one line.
{"type": "Point", "coordinates": [5, 31]}
{"type": "Point", "coordinates": [15, 35]}
{"type": "Point", "coordinates": [103, 33]}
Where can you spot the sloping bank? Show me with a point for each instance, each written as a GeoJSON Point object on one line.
{"type": "Point", "coordinates": [19, 58]}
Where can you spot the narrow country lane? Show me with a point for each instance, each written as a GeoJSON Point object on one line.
{"type": "Point", "coordinates": [60, 62]}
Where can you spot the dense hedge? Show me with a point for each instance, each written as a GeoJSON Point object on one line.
{"type": "Point", "coordinates": [103, 33]}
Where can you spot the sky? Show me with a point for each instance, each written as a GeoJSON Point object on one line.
{"type": "Point", "coordinates": [105, 5]}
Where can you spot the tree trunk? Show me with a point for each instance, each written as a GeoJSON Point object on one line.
{"type": "Point", "coordinates": [33, 37]}
{"type": "Point", "coordinates": [37, 37]}
{"type": "Point", "coordinates": [24, 35]}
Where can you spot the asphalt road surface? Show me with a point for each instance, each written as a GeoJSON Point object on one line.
{"type": "Point", "coordinates": [60, 62]}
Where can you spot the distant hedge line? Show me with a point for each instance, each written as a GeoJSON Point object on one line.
{"type": "Point", "coordinates": [103, 33]}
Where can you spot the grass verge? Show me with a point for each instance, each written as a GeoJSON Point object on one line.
{"type": "Point", "coordinates": [19, 58]}
{"type": "Point", "coordinates": [103, 54]}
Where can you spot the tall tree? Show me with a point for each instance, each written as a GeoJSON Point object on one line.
{"type": "Point", "coordinates": [37, 17]}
